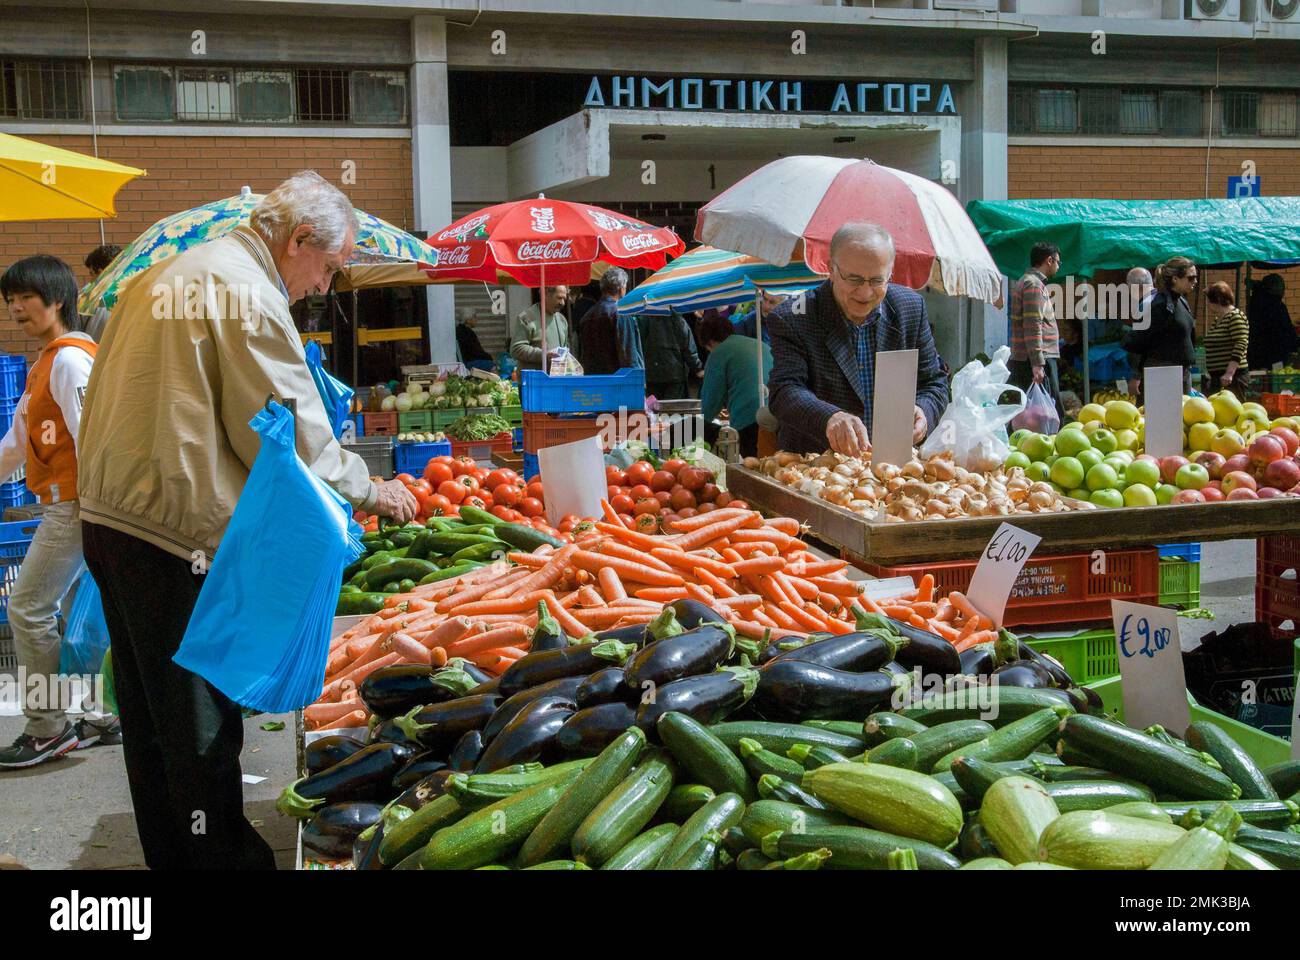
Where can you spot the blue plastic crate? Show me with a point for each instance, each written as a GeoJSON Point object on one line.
{"type": "Point", "coordinates": [412, 458]}
{"type": "Point", "coordinates": [13, 375]}
{"type": "Point", "coordinates": [519, 438]}
{"type": "Point", "coordinates": [1191, 552]}
{"type": "Point", "coordinates": [15, 538]}
{"type": "Point", "coordinates": [531, 466]}
{"type": "Point", "coordinates": [15, 494]}
{"type": "Point", "coordinates": [8, 410]}
{"type": "Point", "coordinates": [587, 394]}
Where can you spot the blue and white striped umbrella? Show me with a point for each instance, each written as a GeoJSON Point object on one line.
{"type": "Point", "coordinates": [707, 278]}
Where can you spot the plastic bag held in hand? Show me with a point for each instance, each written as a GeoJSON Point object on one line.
{"type": "Point", "coordinates": [974, 425]}
{"type": "Point", "coordinates": [85, 634]}
{"type": "Point", "coordinates": [1039, 414]}
{"type": "Point", "coordinates": [334, 393]}
{"type": "Point", "coordinates": [260, 630]}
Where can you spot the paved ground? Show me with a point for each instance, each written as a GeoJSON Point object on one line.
{"type": "Point", "coordinates": [76, 812]}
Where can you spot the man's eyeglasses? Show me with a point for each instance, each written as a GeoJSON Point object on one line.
{"type": "Point", "coordinates": [855, 282]}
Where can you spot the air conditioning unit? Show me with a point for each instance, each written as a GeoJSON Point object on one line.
{"type": "Point", "coordinates": [985, 6]}
{"type": "Point", "coordinates": [1278, 11]}
{"type": "Point", "coordinates": [1213, 10]}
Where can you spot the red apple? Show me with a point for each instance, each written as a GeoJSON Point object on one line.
{"type": "Point", "coordinates": [1283, 474]}
{"type": "Point", "coordinates": [1243, 493]}
{"type": "Point", "coordinates": [1211, 493]}
{"type": "Point", "coordinates": [1169, 467]}
{"type": "Point", "coordinates": [1188, 496]}
{"type": "Point", "coordinates": [1236, 480]}
{"type": "Point", "coordinates": [1266, 448]}
{"type": "Point", "coordinates": [1146, 456]}
{"type": "Point", "coordinates": [1212, 462]}
{"type": "Point", "coordinates": [1268, 493]}
{"type": "Point", "coordinates": [1236, 463]}
{"type": "Point", "coordinates": [1289, 438]}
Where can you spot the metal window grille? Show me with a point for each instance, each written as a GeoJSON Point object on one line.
{"type": "Point", "coordinates": [41, 90]}
{"type": "Point", "coordinates": [204, 93]}
{"type": "Point", "coordinates": [265, 96]}
{"type": "Point", "coordinates": [1057, 111]}
{"type": "Point", "coordinates": [1099, 110]}
{"type": "Point", "coordinates": [1239, 113]}
{"type": "Point", "coordinates": [378, 96]}
{"type": "Point", "coordinates": [1139, 111]}
{"type": "Point", "coordinates": [1182, 113]}
{"type": "Point", "coordinates": [322, 95]}
{"type": "Point", "coordinates": [1021, 110]}
{"type": "Point", "coordinates": [1277, 114]}
{"type": "Point", "coordinates": [144, 93]}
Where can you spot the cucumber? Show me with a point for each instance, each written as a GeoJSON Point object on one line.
{"type": "Point", "coordinates": [1014, 813]}
{"type": "Point", "coordinates": [812, 860]}
{"type": "Point", "coordinates": [1096, 794]}
{"type": "Point", "coordinates": [1015, 741]}
{"type": "Point", "coordinates": [492, 834]}
{"type": "Point", "coordinates": [987, 863]}
{"type": "Point", "coordinates": [524, 538]}
{"type": "Point", "coordinates": [420, 546]}
{"type": "Point", "coordinates": [759, 762]}
{"type": "Point", "coordinates": [735, 842]}
{"type": "Point", "coordinates": [622, 814]}
{"type": "Point", "coordinates": [359, 604]}
{"type": "Point", "coordinates": [701, 855]}
{"type": "Point", "coordinates": [409, 836]}
{"type": "Point", "coordinates": [780, 737]}
{"type": "Point", "coordinates": [1141, 809]}
{"type": "Point", "coordinates": [1239, 858]}
{"type": "Point", "coordinates": [890, 799]}
{"type": "Point", "coordinates": [560, 865]}
{"type": "Point", "coordinates": [1284, 777]}
{"type": "Point", "coordinates": [473, 516]}
{"type": "Point", "coordinates": [1132, 754]}
{"type": "Point", "coordinates": [601, 776]}
{"type": "Point", "coordinates": [968, 802]}
{"type": "Point", "coordinates": [1204, 848]}
{"type": "Point", "coordinates": [684, 799]}
{"type": "Point", "coordinates": [938, 741]}
{"type": "Point", "coordinates": [448, 573]}
{"type": "Point", "coordinates": [1279, 847]}
{"type": "Point", "coordinates": [1235, 762]}
{"type": "Point", "coordinates": [764, 816]}
{"type": "Point", "coordinates": [810, 758]}
{"type": "Point", "coordinates": [1267, 814]}
{"type": "Point", "coordinates": [643, 851]}
{"type": "Point", "coordinates": [976, 776]}
{"type": "Point", "coordinates": [704, 757]}
{"type": "Point", "coordinates": [1008, 704]}
{"type": "Point", "coordinates": [975, 842]}
{"type": "Point", "coordinates": [403, 569]}
{"type": "Point", "coordinates": [715, 817]}
{"type": "Point", "coordinates": [847, 727]}
{"type": "Point", "coordinates": [1097, 840]}
{"type": "Point", "coordinates": [772, 787]}
{"type": "Point", "coordinates": [899, 752]}
{"type": "Point", "coordinates": [753, 859]}
{"type": "Point", "coordinates": [1067, 773]}
{"type": "Point", "coordinates": [880, 727]}
{"type": "Point", "coordinates": [855, 848]}
{"type": "Point", "coordinates": [477, 790]}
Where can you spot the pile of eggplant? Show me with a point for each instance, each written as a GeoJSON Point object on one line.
{"type": "Point", "coordinates": [570, 698]}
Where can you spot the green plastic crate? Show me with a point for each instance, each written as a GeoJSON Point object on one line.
{"type": "Point", "coordinates": [514, 415]}
{"type": "Point", "coordinates": [1284, 382]}
{"type": "Point", "coordinates": [1263, 748]}
{"type": "Point", "coordinates": [1087, 656]}
{"type": "Point", "coordinates": [1180, 583]}
{"type": "Point", "coordinates": [447, 416]}
{"type": "Point", "coordinates": [415, 421]}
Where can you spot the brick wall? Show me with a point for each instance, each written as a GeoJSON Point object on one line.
{"type": "Point", "coordinates": [1165, 173]}
{"type": "Point", "coordinates": [187, 171]}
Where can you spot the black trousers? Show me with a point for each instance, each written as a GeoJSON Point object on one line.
{"type": "Point", "coordinates": [666, 389]}
{"type": "Point", "coordinates": [1022, 376]}
{"type": "Point", "coordinates": [181, 737]}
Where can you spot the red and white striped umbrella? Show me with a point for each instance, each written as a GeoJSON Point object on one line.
{"type": "Point", "coordinates": [789, 209]}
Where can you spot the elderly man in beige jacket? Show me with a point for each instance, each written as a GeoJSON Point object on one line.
{"type": "Point", "coordinates": [196, 345]}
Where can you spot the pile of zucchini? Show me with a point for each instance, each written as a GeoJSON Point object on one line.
{"type": "Point", "coordinates": [399, 558]}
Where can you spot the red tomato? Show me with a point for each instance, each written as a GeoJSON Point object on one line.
{"type": "Point", "coordinates": [487, 498]}
{"type": "Point", "coordinates": [439, 506]}
{"type": "Point", "coordinates": [501, 513]}
{"type": "Point", "coordinates": [686, 513]}
{"type": "Point", "coordinates": [566, 526]}
{"type": "Point", "coordinates": [641, 491]}
{"type": "Point", "coordinates": [514, 516]}
{"type": "Point", "coordinates": [492, 480]}
{"type": "Point", "coordinates": [707, 493]}
{"type": "Point", "coordinates": [693, 478]}
{"type": "Point", "coordinates": [535, 491]}
{"type": "Point", "coordinates": [646, 523]}
{"type": "Point", "coordinates": [612, 491]}
{"type": "Point", "coordinates": [674, 466]}
{"type": "Point", "coordinates": [371, 525]}
{"type": "Point", "coordinates": [723, 499]}
{"type": "Point", "coordinates": [507, 494]}
{"type": "Point", "coordinates": [405, 478]}
{"type": "Point", "coordinates": [463, 465]}
{"type": "Point", "coordinates": [615, 477]}
{"type": "Point", "coordinates": [584, 527]}
{"type": "Point", "coordinates": [666, 522]}
{"type": "Point", "coordinates": [468, 482]}
{"type": "Point", "coordinates": [623, 503]}
{"type": "Point", "coordinates": [626, 520]}
{"type": "Point", "coordinates": [662, 480]}
{"type": "Point", "coordinates": [437, 472]}
{"type": "Point", "coordinates": [531, 507]}
{"type": "Point", "coordinates": [445, 458]}
{"type": "Point", "coordinates": [738, 505]}
{"type": "Point", "coordinates": [682, 498]}
{"type": "Point", "coordinates": [421, 488]}
{"type": "Point", "coordinates": [453, 490]}
{"type": "Point", "coordinates": [706, 508]}
{"type": "Point", "coordinates": [647, 505]}
{"type": "Point", "coordinates": [475, 501]}
{"type": "Point", "coordinates": [640, 472]}
{"type": "Point", "coordinates": [664, 497]}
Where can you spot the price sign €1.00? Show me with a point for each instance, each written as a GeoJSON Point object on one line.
{"type": "Point", "coordinates": [1000, 564]}
{"type": "Point", "coordinates": [1150, 666]}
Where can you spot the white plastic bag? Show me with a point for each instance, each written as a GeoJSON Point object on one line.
{"type": "Point", "coordinates": [1039, 414]}
{"type": "Point", "coordinates": [974, 425]}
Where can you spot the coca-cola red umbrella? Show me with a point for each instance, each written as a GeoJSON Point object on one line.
{"type": "Point", "coordinates": [539, 241]}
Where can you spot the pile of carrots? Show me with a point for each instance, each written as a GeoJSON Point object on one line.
{"type": "Point", "coordinates": [755, 572]}
{"type": "Point", "coordinates": [952, 617]}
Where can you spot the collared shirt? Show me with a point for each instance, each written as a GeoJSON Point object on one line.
{"type": "Point", "coordinates": [1034, 334]}
{"type": "Point", "coordinates": [864, 345]}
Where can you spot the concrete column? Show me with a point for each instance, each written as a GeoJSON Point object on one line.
{"type": "Point", "coordinates": [431, 164]}
{"type": "Point", "coordinates": [984, 169]}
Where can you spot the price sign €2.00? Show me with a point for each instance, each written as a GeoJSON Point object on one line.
{"type": "Point", "coordinates": [1150, 666]}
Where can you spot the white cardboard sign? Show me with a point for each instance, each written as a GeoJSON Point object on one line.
{"type": "Point", "coordinates": [575, 474]}
{"type": "Point", "coordinates": [998, 567]}
{"type": "Point", "coordinates": [892, 407]}
{"type": "Point", "coordinates": [1150, 666]}
{"type": "Point", "coordinates": [1163, 397]}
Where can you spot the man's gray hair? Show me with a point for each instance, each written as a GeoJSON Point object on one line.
{"type": "Point", "coordinates": [614, 280]}
{"type": "Point", "coordinates": [306, 199]}
{"type": "Point", "coordinates": [870, 235]}
{"type": "Point", "coordinates": [1139, 276]}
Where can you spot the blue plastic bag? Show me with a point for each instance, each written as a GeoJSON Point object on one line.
{"type": "Point", "coordinates": [260, 630]}
{"type": "Point", "coordinates": [85, 634]}
{"type": "Point", "coordinates": [334, 393]}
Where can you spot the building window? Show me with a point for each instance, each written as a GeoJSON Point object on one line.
{"type": "Point", "coordinates": [1182, 113]}
{"type": "Point", "coordinates": [1139, 111]}
{"type": "Point", "coordinates": [1057, 111]}
{"type": "Point", "coordinates": [1099, 110]}
{"type": "Point", "coordinates": [265, 96]}
{"type": "Point", "coordinates": [1021, 119]}
{"type": "Point", "coordinates": [322, 96]}
{"type": "Point", "coordinates": [41, 90]}
{"type": "Point", "coordinates": [204, 94]}
{"type": "Point", "coordinates": [378, 96]}
{"type": "Point", "coordinates": [1277, 115]}
{"type": "Point", "coordinates": [1239, 113]}
{"type": "Point", "coordinates": [144, 93]}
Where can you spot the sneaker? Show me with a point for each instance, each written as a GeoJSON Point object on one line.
{"type": "Point", "coordinates": [27, 751]}
{"type": "Point", "coordinates": [90, 733]}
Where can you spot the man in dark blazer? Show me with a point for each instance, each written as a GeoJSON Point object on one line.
{"type": "Point", "coordinates": [824, 347]}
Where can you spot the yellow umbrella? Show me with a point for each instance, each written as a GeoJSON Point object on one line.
{"type": "Point", "coordinates": [40, 182]}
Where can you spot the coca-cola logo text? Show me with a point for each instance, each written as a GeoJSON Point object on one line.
{"type": "Point", "coordinates": [463, 230]}
{"type": "Point", "coordinates": [550, 250]}
{"type": "Point", "coordinates": [640, 241]}
{"type": "Point", "coordinates": [455, 257]}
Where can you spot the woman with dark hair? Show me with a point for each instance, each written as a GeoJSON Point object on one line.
{"type": "Point", "coordinates": [1164, 337]}
{"type": "Point", "coordinates": [1226, 342]}
{"type": "Point", "coordinates": [1272, 335]}
{"type": "Point", "coordinates": [731, 381]}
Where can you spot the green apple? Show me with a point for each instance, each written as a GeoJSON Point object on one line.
{"type": "Point", "coordinates": [1016, 438]}
{"type": "Point", "coordinates": [1068, 473]}
{"type": "Point", "coordinates": [1105, 441]}
{"type": "Point", "coordinates": [1121, 415]}
{"type": "Point", "coordinates": [1101, 477]}
{"type": "Point", "coordinates": [1060, 490]}
{"type": "Point", "coordinates": [1107, 498]}
{"type": "Point", "coordinates": [1038, 471]}
{"type": "Point", "coordinates": [1037, 446]}
{"type": "Point", "coordinates": [1089, 458]}
{"type": "Point", "coordinates": [1137, 495]}
{"type": "Point", "coordinates": [1227, 442]}
{"type": "Point", "coordinates": [1227, 408]}
{"type": "Point", "coordinates": [1165, 493]}
{"type": "Point", "coordinates": [1191, 476]}
{"type": "Point", "coordinates": [1116, 463]}
{"type": "Point", "coordinates": [1017, 459]}
{"type": "Point", "coordinates": [1092, 426]}
{"type": "Point", "coordinates": [1128, 456]}
{"type": "Point", "coordinates": [1127, 439]}
{"type": "Point", "coordinates": [1201, 435]}
{"type": "Point", "coordinates": [1070, 442]}
{"type": "Point", "coordinates": [1080, 494]}
{"type": "Point", "coordinates": [1091, 412]}
{"type": "Point", "coordinates": [1143, 473]}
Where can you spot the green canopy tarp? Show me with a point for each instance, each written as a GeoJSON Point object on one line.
{"type": "Point", "coordinates": [1121, 234]}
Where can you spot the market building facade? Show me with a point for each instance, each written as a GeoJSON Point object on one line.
{"type": "Point", "coordinates": [425, 111]}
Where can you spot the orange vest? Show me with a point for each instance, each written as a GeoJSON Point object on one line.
{"type": "Point", "coordinates": [51, 448]}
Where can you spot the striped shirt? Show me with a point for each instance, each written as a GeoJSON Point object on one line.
{"type": "Point", "coordinates": [1226, 340]}
{"type": "Point", "coordinates": [1034, 334]}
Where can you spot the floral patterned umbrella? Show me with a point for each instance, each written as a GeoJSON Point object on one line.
{"type": "Point", "coordinates": [380, 247]}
